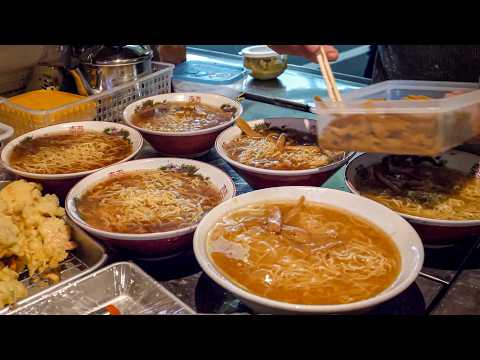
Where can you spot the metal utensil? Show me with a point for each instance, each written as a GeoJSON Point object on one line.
{"type": "Point", "coordinates": [104, 67]}
{"type": "Point", "coordinates": [278, 102]}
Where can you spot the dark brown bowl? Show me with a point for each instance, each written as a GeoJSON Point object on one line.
{"type": "Point", "coordinates": [189, 146]}
{"type": "Point", "coordinates": [152, 249]}
{"type": "Point", "coordinates": [262, 181]}
{"type": "Point", "coordinates": [434, 232]}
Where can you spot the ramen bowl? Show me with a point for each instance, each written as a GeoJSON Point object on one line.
{"type": "Point", "coordinates": [156, 245]}
{"type": "Point", "coordinates": [434, 232]}
{"type": "Point", "coordinates": [400, 232]}
{"type": "Point", "coordinates": [259, 178]}
{"type": "Point", "coordinates": [185, 143]}
{"type": "Point", "coordinates": [61, 183]}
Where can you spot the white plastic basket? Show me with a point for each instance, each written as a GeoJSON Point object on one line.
{"type": "Point", "coordinates": [6, 133]}
{"type": "Point", "coordinates": [110, 104]}
{"type": "Point", "coordinates": [106, 106]}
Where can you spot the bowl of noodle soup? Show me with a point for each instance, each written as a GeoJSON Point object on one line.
{"type": "Point", "coordinates": [182, 124]}
{"type": "Point", "coordinates": [148, 208]}
{"type": "Point", "coordinates": [439, 196]}
{"type": "Point", "coordinates": [334, 252]}
{"type": "Point", "coordinates": [300, 163]}
{"type": "Point", "coordinates": [58, 156]}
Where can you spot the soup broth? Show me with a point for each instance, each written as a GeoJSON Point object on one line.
{"type": "Point", "coordinates": [150, 201]}
{"type": "Point", "coordinates": [181, 116]}
{"type": "Point", "coordinates": [304, 253]}
{"type": "Point", "coordinates": [70, 152]}
{"type": "Point", "coordinates": [280, 149]}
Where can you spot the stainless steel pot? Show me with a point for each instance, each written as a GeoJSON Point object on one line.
{"type": "Point", "coordinates": [104, 67]}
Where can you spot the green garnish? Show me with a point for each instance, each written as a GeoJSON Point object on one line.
{"type": "Point", "coordinates": [27, 139]}
{"type": "Point", "coordinates": [116, 132]}
{"type": "Point", "coordinates": [261, 127]}
{"type": "Point", "coordinates": [184, 168]}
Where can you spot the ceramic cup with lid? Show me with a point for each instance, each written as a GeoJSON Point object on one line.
{"type": "Point", "coordinates": [263, 63]}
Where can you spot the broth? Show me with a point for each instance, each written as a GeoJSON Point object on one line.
{"type": "Point", "coordinates": [70, 152]}
{"type": "Point", "coordinates": [304, 253]}
{"type": "Point", "coordinates": [181, 116]}
{"type": "Point", "coordinates": [280, 149]}
{"type": "Point", "coordinates": [149, 201]}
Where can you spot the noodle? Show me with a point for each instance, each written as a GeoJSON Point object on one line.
{"type": "Point", "coordinates": [280, 149]}
{"type": "Point", "coordinates": [418, 187]}
{"type": "Point", "coordinates": [67, 152]}
{"type": "Point", "coordinates": [346, 258]}
{"type": "Point", "coordinates": [181, 116]}
{"type": "Point", "coordinates": [150, 201]}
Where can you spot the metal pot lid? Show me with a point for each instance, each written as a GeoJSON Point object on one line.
{"type": "Point", "coordinates": [116, 55]}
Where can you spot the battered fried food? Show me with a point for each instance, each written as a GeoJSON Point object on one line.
{"type": "Point", "coordinates": [11, 290]}
{"type": "Point", "coordinates": [32, 231]}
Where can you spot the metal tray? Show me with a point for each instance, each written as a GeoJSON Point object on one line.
{"type": "Point", "coordinates": [86, 258]}
{"type": "Point", "coordinates": [122, 284]}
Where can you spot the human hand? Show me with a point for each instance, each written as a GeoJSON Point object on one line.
{"type": "Point", "coordinates": [307, 51]}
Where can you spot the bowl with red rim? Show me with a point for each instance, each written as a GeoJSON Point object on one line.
{"type": "Point", "coordinates": [434, 232]}
{"type": "Point", "coordinates": [185, 143]}
{"type": "Point", "coordinates": [259, 178]}
{"type": "Point", "coordinates": [155, 245]}
{"type": "Point", "coordinates": [61, 183]}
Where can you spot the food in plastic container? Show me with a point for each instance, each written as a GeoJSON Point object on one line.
{"type": "Point", "coordinates": [209, 77]}
{"type": "Point", "coordinates": [40, 108]}
{"type": "Point", "coordinates": [389, 123]}
{"type": "Point", "coordinates": [263, 63]}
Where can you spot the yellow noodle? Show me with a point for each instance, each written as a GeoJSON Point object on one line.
{"type": "Point", "coordinates": [66, 152]}
{"type": "Point", "coordinates": [148, 201]}
{"type": "Point", "coordinates": [347, 259]}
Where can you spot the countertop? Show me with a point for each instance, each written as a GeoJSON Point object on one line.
{"type": "Point", "coordinates": [450, 279]}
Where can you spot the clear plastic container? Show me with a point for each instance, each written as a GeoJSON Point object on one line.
{"type": "Point", "coordinates": [209, 77]}
{"type": "Point", "coordinates": [263, 63]}
{"type": "Point", "coordinates": [124, 285]}
{"type": "Point", "coordinates": [388, 123]}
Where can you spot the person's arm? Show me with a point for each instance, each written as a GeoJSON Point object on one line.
{"type": "Point", "coordinates": [174, 54]}
{"type": "Point", "coordinates": [307, 51]}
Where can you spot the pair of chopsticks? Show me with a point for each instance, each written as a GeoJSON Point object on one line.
{"type": "Point", "coordinates": [332, 88]}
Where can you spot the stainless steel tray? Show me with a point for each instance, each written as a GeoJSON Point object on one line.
{"type": "Point", "coordinates": [122, 284]}
{"type": "Point", "coordinates": [86, 258]}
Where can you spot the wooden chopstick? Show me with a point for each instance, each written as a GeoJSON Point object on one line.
{"type": "Point", "coordinates": [332, 88]}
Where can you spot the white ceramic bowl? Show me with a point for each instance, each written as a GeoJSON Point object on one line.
{"type": "Point", "coordinates": [99, 126]}
{"type": "Point", "coordinates": [406, 239]}
{"type": "Point", "coordinates": [60, 184]}
{"type": "Point", "coordinates": [259, 178]}
{"type": "Point", "coordinates": [186, 143]}
{"type": "Point", "coordinates": [151, 245]}
{"type": "Point", "coordinates": [434, 232]}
